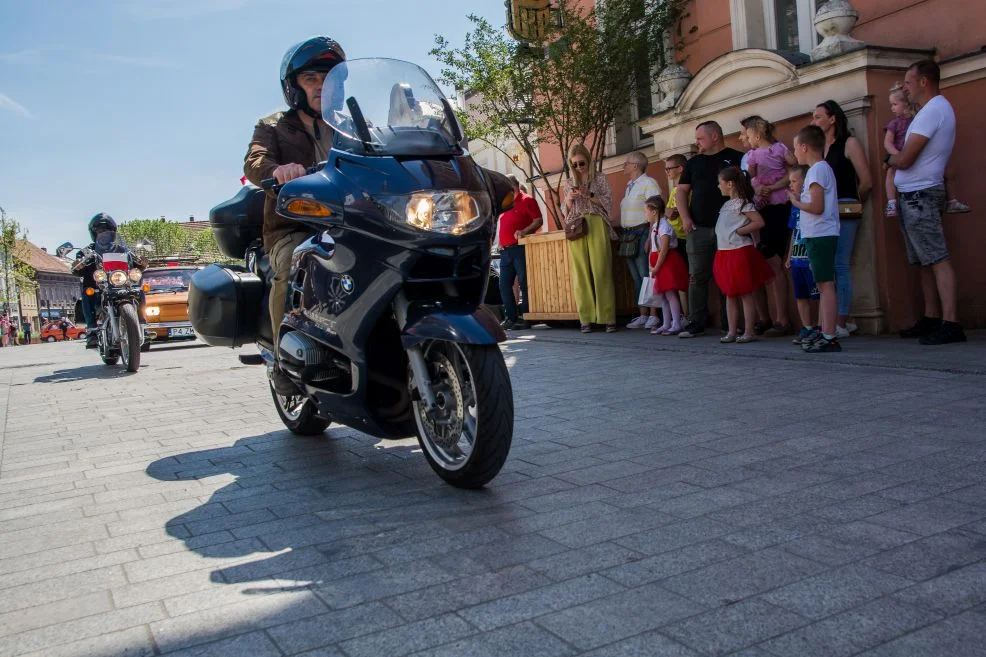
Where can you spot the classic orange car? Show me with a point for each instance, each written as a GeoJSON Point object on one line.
{"type": "Point", "coordinates": [166, 310]}
{"type": "Point", "coordinates": [52, 332]}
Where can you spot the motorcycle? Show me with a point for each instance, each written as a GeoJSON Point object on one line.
{"type": "Point", "coordinates": [383, 329]}
{"type": "Point", "coordinates": [117, 277]}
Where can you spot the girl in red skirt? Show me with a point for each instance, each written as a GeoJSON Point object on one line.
{"type": "Point", "coordinates": [739, 268]}
{"type": "Point", "coordinates": [667, 267]}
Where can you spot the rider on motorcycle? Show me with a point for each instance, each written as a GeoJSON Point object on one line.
{"type": "Point", "coordinates": [102, 230]}
{"type": "Point", "coordinates": [284, 145]}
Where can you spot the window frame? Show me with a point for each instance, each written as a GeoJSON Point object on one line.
{"type": "Point", "coordinates": [806, 27]}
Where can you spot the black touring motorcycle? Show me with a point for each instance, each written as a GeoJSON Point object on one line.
{"type": "Point", "coordinates": [383, 328]}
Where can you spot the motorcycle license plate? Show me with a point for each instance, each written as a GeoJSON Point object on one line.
{"type": "Point", "coordinates": [181, 333]}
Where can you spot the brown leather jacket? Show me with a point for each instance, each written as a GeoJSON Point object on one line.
{"type": "Point", "coordinates": [278, 139]}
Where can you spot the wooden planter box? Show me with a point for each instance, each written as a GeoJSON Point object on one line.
{"type": "Point", "coordinates": [549, 280]}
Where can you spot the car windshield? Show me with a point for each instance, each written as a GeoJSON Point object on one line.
{"type": "Point", "coordinates": [388, 107]}
{"type": "Point", "coordinates": [169, 280]}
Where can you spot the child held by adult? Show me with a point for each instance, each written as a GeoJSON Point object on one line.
{"type": "Point", "coordinates": [819, 205]}
{"type": "Point", "coordinates": [667, 267]}
{"type": "Point", "coordinates": [805, 290]}
{"type": "Point", "coordinates": [739, 268]}
{"type": "Point", "coordinates": [893, 140]}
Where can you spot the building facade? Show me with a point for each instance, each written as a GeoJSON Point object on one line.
{"type": "Point", "coordinates": [736, 58]}
{"type": "Point", "coordinates": [57, 287]}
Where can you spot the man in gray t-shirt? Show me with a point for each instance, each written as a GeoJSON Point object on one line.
{"type": "Point", "coordinates": [920, 181]}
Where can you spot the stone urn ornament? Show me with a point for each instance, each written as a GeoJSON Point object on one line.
{"type": "Point", "coordinates": [834, 20]}
{"type": "Point", "coordinates": [672, 82]}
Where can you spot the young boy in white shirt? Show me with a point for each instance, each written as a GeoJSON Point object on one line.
{"type": "Point", "coordinates": [819, 205]}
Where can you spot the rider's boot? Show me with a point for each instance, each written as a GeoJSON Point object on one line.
{"type": "Point", "coordinates": [282, 383]}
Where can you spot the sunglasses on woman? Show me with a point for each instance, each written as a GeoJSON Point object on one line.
{"type": "Point", "coordinates": [579, 165]}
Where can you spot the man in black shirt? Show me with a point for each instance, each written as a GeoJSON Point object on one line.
{"type": "Point", "coordinates": [699, 201]}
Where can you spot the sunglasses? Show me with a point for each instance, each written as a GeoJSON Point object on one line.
{"type": "Point", "coordinates": [677, 166]}
{"type": "Point", "coordinates": [579, 165]}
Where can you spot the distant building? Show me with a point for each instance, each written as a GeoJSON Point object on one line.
{"type": "Point", "coordinates": [58, 288]}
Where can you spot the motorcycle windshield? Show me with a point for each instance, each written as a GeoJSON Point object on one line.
{"type": "Point", "coordinates": [112, 249]}
{"type": "Point", "coordinates": [389, 107]}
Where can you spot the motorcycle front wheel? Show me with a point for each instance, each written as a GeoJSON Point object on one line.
{"type": "Point", "coordinates": [467, 436]}
{"type": "Point", "coordinates": [298, 414]}
{"type": "Point", "coordinates": [129, 337]}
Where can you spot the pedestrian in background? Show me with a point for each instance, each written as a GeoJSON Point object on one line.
{"type": "Point", "coordinates": [588, 197]}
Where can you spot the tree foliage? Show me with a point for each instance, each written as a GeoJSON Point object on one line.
{"type": "Point", "coordinates": [16, 275]}
{"type": "Point", "coordinates": [565, 90]}
{"type": "Point", "coordinates": [171, 239]}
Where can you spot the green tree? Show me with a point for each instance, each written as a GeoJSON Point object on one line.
{"type": "Point", "coordinates": [569, 86]}
{"type": "Point", "coordinates": [170, 239]}
{"type": "Point", "coordinates": [16, 275]}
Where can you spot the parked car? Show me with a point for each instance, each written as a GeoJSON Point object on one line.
{"type": "Point", "coordinates": [166, 309]}
{"type": "Point", "coordinates": [52, 332]}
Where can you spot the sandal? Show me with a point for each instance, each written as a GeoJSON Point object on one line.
{"type": "Point", "coordinates": [670, 332]}
{"type": "Point", "coordinates": [727, 339]}
{"type": "Point", "coordinates": [587, 328]}
{"type": "Point", "coordinates": [611, 328]}
{"type": "Point", "coordinates": [743, 339]}
{"type": "Point", "coordinates": [760, 327]}
{"type": "Point", "coordinates": [778, 330]}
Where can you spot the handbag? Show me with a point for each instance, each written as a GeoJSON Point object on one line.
{"type": "Point", "coordinates": [648, 297]}
{"type": "Point", "coordinates": [575, 229]}
{"type": "Point", "coordinates": [629, 245]}
{"type": "Point", "coordinates": [850, 210]}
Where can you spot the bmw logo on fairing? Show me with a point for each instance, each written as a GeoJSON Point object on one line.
{"type": "Point", "coordinates": [347, 284]}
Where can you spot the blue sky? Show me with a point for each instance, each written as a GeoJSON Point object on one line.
{"type": "Point", "coordinates": [143, 108]}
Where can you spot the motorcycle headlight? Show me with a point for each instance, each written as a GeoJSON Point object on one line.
{"type": "Point", "coordinates": [99, 276]}
{"type": "Point", "coordinates": [449, 212]}
{"type": "Point", "coordinates": [135, 276]}
{"type": "Point", "coordinates": [118, 278]}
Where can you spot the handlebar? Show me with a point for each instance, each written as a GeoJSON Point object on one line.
{"type": "Point", "coordinates": [271, 184]}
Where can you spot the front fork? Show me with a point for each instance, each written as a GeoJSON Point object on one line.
{"type": "Point", "coordinates": [414, 354]}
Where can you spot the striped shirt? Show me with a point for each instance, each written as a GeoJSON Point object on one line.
{"type": "Point", "coordinates": [632, 206]}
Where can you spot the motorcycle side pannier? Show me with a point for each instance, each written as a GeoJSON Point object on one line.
{"type": "Point", "coordinates": [236, 223]}
{"type": "Point", "coordinates": [224, 304]}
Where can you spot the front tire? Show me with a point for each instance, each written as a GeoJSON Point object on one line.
{"type": "Point", "coordinates": [130, 337]}
{"type": "Point", "coordinates": [467, 437]}
{"type": "Point", "coordinates": [298, 414]}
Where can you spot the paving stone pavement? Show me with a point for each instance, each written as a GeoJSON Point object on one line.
{"type": "Point", "coordinates": [662, 497]}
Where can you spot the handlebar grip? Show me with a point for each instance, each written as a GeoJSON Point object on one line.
{"type": "Point", "coordinates": [268, 183]}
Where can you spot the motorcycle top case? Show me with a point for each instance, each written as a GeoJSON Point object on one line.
{"type": "Point", "coordinates": [223, 305]}
{"type": "Point", "coordinates": [236, 223]}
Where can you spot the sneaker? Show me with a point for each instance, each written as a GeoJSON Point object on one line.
{"type": "Point", "coordinates": [842, 332]}
{"type": "Point", "coordinates": [515, 325]}
{"type": "Point", "coordinates": [692, 330]}
{"type": "Point", "coordinates": [955, 206]}
{"type": "Point", "coordinates": [851, 327]}
{"type": "Point", "coordinates": [639, 322]}
{"type": "Point", "coordinates": [778, 330]}
{"type": "Point", "coordinates": [801, 336]}
{"type": "Point", "coordinates": [652, 322]}
{"type": "Point", "coordinates": [947, 333]}
{"type": "Point", "coordinates": [814, 335]}
{"type": "Point", "coordinates": [824, 345]}
{"type": "Point", "coordinates": [891, 210]}
{"type": "Point", "coordinates": [924, 326]}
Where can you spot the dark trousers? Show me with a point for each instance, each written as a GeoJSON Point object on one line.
{"type": "Point", "coordinates": [513, 266]}
{"type": "Point", "coordinates": [89, 306]}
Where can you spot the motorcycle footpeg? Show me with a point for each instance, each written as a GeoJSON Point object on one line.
{"type": "Point", "coordinates": [251, 359]}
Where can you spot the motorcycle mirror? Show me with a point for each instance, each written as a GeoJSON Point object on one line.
{"type": "Point", "coordinates": [63, 249]}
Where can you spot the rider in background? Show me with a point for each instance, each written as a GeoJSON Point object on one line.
{"type": "Point", "coordinates": [102, 230]}
{"type": "Point", "coordinates": [284, 145]}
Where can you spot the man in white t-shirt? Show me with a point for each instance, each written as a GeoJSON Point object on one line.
{"type": "Point", "coordinates": [920, 181]}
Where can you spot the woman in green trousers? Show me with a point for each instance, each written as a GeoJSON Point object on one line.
{"type": "Point", "coordinates": [590, 257]}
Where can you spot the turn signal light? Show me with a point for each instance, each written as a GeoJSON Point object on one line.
{"type": "Point", "coordinates": [90, 291]}
{"type": "Point", "coordinates": [146, 287]}
{"type": "Point", "coordinates": [307, 208]}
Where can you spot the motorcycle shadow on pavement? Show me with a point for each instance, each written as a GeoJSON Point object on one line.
{"type": "Point", "coordinates": [308, 503]}
{"type": "Point", "coordinates": [85, 373]}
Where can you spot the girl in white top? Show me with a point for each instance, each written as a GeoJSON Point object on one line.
{"type": "Point", "coordinates": [667, 267]}
{"type": "Point", "coordinates": [739, 268]}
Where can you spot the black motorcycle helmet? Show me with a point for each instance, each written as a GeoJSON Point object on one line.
{"type": "Point", "coordinates": [101, 221]}
{"type": "Point", "coordinates": [319, 53]}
